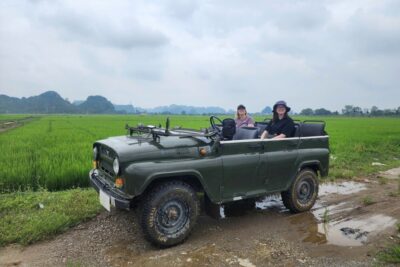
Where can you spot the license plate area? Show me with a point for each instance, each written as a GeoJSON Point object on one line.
{"type": "Point", "coordinates": [105, 200]}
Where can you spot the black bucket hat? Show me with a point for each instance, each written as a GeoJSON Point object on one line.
{"type": "Point", "coordinates": [281, 103]}
{"type": "Point", "coordinates": [241, 107]}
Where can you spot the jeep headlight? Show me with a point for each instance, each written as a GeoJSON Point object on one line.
{"type": "Point", "coordinates": [116, 166]}
{"type": "Point", "coordinates": [95, 153]}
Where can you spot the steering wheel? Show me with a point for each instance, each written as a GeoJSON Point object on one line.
{"type": "Point", "coordinates": [216, 126]}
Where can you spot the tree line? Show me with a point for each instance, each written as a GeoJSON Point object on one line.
{"type": "Point", "coordinates": [350, 110]}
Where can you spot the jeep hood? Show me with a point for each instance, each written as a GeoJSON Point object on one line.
{"type": "Point", "coordinates": [134, 148]}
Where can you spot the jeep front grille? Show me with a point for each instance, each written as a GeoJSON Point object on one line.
{"type": "Point", "coordinates": [110, 173]}
{"type": "Point", "coordinates": [106, 159]}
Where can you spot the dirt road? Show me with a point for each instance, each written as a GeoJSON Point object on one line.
{"type": "Point", "coordinates": [350, 222]}
{"type": "Point", "coordinates": [11, 124]}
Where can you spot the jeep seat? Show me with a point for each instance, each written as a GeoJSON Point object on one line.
{"type": "Point", "coordinates": [296, 132]}
{"type": "Point", "coordinates": [261, 126]}
{"type": "Point", "coordinates": [245, 133]}
{"type": "Point", "coordinates": [228, 128]}
{"type": "Point", "coordinates": [312, 129]}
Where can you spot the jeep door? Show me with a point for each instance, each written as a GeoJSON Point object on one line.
{"type": "Point", "coordinates": [240, 161]}
{"type": "Point", "coordinates": [278, 162]}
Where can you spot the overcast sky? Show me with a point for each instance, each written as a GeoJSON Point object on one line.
{"type": "Point", "coordinates": [204, 53]}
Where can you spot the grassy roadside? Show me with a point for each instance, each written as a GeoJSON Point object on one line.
{"type": "Point", "coordinates": [26, 217]}
{"type": "Point", "coordinates": [391, 254]}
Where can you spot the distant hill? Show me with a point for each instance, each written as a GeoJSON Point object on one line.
{"type": "Point", "coordinates": [51, 102]}
{"type": "Point", "coordinates": [97, 105]}
{"type": "Point", "coordinates": [77, 102]}
{"type": "Point", "coordinates": [129, 109]}
{"type": "Point", "coordinates": [171, 109]}
{"type": "Point", "coordinates": [10, 104]}
{"type": "Point", "coordinates": [48, 102]}
{"type": "Point", "coordinates": [181, 109]}
{"type": "Point", "coordinates": [267, 110]}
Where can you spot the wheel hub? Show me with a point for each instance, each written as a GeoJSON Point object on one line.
{"type": "Point", "coordinates": [172, 216]}
{"type": "Point", "coordinates": [305, 190]}
{"type": "Point", "coordinates": [172, 213]}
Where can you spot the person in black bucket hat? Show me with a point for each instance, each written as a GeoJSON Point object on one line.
{"type": "Point", "coordinates": [281, 103]}
{"type": "Point", "coordinates": [281, 125]}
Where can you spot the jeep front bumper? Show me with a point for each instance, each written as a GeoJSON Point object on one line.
{"type": "Point", "coordinates": [117, 199]}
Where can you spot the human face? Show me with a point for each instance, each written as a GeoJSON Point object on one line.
{"type": "Point", "coordinates": [241, 112]}
{"type": "Point", "coordinates": [281, 110]}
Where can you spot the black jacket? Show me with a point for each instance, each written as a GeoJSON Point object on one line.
{"type": "Point", "coordinates": [284, 126]}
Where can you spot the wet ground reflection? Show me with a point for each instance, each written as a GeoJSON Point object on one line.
{"type": "Point", "coordinates": [326, 223]}
{"type": "Point", "coordinates": [335, 223]}
{"type": "Point", "coordinates": [346, 232]}
{"type": "Point", "coordinates": [343, 188]}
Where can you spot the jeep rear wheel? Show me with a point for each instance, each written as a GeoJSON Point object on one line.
{"type": "Point", "coordinates": [169, 213]}
{"type": "Point", "coordinates": [303, 192]}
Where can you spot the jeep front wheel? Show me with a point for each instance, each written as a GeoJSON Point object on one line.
{"type": "Point", "coordinates": [169, 213]}
{"type": "Point", "coordinates": [303, 192]}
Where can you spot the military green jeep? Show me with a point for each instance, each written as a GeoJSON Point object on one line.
{"type": "Point", "coordinates": [167, 172]}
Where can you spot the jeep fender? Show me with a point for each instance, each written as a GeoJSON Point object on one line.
{"type": "Point", "coordinates": [184, 175]}
{"type": "Point", "coordinates": [312, 164]}
{"type": "Point", "coordinates": [316, 165]}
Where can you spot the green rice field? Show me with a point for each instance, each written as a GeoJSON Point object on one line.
{"type": "Point", "coordinates": [55, 152]}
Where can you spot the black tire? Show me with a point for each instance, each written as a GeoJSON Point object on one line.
{"type": "Point", "coordinates": [303, 192]}
{"type": "Point", "coordinates": [169, 213]}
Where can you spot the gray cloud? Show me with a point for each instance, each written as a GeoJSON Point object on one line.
{"type": "Point", "coordinates": [300, 16]}
{"type": "Point", "coordinates": [221, 53]}
{"type": "Point", "coordinates": [86, 27]}
{"type": "Point", "coordinates": [179, 9]}
{"type": "Point", "coordinates": [374, 34]}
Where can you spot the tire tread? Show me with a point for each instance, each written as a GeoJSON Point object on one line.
{"type": "Point", "coordinates": [147, 206]}
{"type": "Point", "coordinates": [288, 196]}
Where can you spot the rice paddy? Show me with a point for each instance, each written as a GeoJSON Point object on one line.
{"type": "Point", "coordinates": [55, 152]}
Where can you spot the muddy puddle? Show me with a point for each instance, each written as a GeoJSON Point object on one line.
{"type": "Point", "coordinates": [347, 231]}
{"type": "Point", "coordinates": [391, 174]}
{"type": "Point", "coordinates": [343, 188]}
{"type": "Point", "coordinates": [274, 202]}
{"type": "Point", "coordinates": [335, 224]}
{"type": "Point", "coordinates": [329, 223]}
